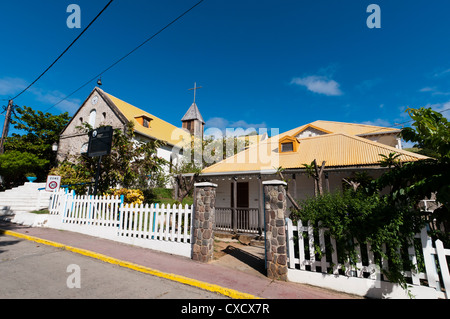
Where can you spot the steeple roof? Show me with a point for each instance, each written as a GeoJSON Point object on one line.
{"type": "Point", "coordinates": [193, 114]}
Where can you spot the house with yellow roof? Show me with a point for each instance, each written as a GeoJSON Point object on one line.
{"type": "Point", "coordinates": [103, 109]}
{"type": "Point", "coordinates": [346, 148]}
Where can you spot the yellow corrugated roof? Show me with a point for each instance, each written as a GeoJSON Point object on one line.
{"type": "Point", "coordinates": [159, 129]}
{"type": "Point", "coordinates": [341, 127]}
{"type": "Point", "coordinates": [336, 149]}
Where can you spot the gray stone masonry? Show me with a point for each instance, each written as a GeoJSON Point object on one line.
{"type": "Point", "coordinates": [203, 222]}
{"type": "Point", "coordinates": [276, 249]}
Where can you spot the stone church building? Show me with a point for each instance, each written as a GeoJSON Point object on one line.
{"type": "Point", "coordinates": [101, 108]}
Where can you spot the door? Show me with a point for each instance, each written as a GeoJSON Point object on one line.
{"type": "Point", "coordinates": [240, 215]}
{"type": "Point", "coordinates": [241, 194]}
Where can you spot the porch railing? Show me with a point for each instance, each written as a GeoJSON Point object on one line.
{"type": "Point", "coordinates": [239, 220]}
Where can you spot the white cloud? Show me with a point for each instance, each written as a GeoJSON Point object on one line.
{"type": "Point", "coordinates": [441, 107]}
{"type": "Point", "coordinates": [427, 89]}
{"type": "Point", "coordinates": [53, 97]}
{"type": "Point", "coordinates": [319, 84]}
{"type": "Point", "coordinates": [220, 125]}
{"type": "Point", "coordinates": [441, 73]}
{"type": "Point", "coordinates": [377, 122]}
{"type": "Point", "coordinates": [433, 91]}
{"type": "Point", "coordinates": [11, 86]}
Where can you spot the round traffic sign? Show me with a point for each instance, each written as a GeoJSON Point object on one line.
{"type": "Point", "coordinates": [53, 185]}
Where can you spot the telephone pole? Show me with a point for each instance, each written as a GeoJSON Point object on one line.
{"type": "Point", "coordinates": [6, 126]}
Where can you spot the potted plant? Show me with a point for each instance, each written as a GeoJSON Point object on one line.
{"type": "Point", "coordinates": [31, 177]}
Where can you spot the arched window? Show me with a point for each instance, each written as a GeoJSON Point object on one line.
{"type": "Point", "coordinates": [92, 116]}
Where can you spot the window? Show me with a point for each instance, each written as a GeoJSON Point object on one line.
{"type": "Point", "coordinates": [92, 116]}
{"type": "Point", "coordinates": [144, 120]}
{"type": "Point", "coordinates": [288, 144]}
{"type": "Point", "coordinates": [287, 147]}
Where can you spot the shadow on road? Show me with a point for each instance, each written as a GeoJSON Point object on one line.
{"type": "Point", "coordinates": [247, 258]}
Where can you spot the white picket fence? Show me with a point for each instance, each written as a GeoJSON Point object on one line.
{"type": "Point", "coordinates": [161, 227]}
{"type": "Point", "coordinates": [363, 277]}
{"type": "Point", "coordinates": [156, 222]}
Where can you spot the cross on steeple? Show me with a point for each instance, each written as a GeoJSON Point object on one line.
{"type": "Point", "coordinates": [195, 89]}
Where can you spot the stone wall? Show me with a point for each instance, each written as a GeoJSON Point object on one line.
{"type": "Point", "coordinates": [203, 222]}
{"type": "Point", "coordinates": [73, 140]}
{"type": "Point", "coordinates": [276, 249]}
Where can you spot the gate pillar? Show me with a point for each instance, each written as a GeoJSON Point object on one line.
{"type": "Point", "coordinates": [275, 230]}
{"type": "Point", "coordinates": [203, 221]}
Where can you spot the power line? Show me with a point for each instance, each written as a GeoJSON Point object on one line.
{"type": "Point", "coordinates": [128, 54]}
{"type": "Point", "coordinates": [67, 49]}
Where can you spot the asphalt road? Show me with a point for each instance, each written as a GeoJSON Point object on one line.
{"type": "Point", "coordinates": [31, 270]}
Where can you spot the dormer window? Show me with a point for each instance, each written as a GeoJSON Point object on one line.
{"type": "Point", "coordinates": [287, 147]}
{"type": "Point", "coordinates": [288, 144]}
{"type": "Point", "coordinates": [144, 120]}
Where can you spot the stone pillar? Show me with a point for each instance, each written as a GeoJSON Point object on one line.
{"type": "Point", "coordinates": [275, 231]}
{"type": "Point", "coordinates": [203, 222]}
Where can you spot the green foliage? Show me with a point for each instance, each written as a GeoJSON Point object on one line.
{"type": "Point", "coordinates": [15, 164]}
{"type": "Point", "coordinates": [392, 219]}
{"type": "Point", "coordinates": [74, 175]}
{"type": "Point", "coordinates": [430, 133]}
{"type": "Point", "coordinates": [390, 161]}
{"type": "Point", "coordinates": [415, 181]}
{"type": "Point", "coordinates": [165, 196]}
{"type": "Point", "coordinates": [130, 196]}
{"type": "Point", "coordinates": [368, 219]}
{"type": "Point", "coordinates": [41, 130]}
{"type": "Point", "coordinates": [131, 164]}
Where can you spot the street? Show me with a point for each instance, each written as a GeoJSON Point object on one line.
{"type": "Point", "coordinates": [31, 270]}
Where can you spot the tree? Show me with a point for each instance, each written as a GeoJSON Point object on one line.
{"type": "Point", "coordinates": [131, 163]}
{"type": "Point", "coordinates": [202, 153]}
{"type": "Point", "coordinates": [41, 131]}
{"type": "Point", "coordinates": [357, 180]}
{"type": "Point", "coordinates": [415, 181]}
{"type": "Point", "coordinates": [313, 171]}
{"type": "Point", "coordinates": [390, 160]}
{"type": "Point", "coordinates": [431, 133]}
{"type": "Point", "coordinates": [288, 193]}
{"type": "Point", "coordinates": [14, 165]}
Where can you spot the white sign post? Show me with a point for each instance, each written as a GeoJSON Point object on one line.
{"type": "Point", "coordinates": [53, 183]}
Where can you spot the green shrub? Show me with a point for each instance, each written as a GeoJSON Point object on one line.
{"type": "Point", "coordinates": [367, 218]}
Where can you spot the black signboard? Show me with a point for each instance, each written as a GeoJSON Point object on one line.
{"type": "Point", "coordinates": [100, 141]}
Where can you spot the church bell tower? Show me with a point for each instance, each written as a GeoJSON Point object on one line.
{"type": "Point", "coordinates": [193, 121]}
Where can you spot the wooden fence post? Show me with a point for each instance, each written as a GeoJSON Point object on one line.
{"type": "Point", "coordinates": [203, 221]}
{"type": "Point", "coordinates": [275, 229]}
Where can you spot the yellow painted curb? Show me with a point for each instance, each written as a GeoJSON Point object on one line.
{"type": "Point", "coordinates": [181, 279]}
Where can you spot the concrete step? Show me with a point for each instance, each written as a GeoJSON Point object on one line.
{"type": "Point", "coordinates": [28, 204]}
{"type": "Point", "coordinates": [22, 207]}
{"type": "Point", "coordinates": [25, 198]}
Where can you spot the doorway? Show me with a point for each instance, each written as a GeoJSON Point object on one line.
{"type": "Point", "coordinates": [241, 194]}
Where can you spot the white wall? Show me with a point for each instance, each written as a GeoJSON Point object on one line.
{"type": "Point", "coordinates": [300, 188]}
{"type": "Point", "coordinates": [309, 132]}
{"type": "Point", "coordinates": [223, 191]}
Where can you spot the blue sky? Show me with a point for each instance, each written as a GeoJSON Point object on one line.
{"type": "Point", "coordinates": [274, 64]}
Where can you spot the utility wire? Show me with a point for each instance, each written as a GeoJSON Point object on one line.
{"type": "Point", "coordinates": [128, 54]}
{"type": "Point", "coordinates": [67, 49]}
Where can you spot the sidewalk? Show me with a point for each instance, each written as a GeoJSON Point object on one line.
{"type": "Point", "coordinates": [227, 271]}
